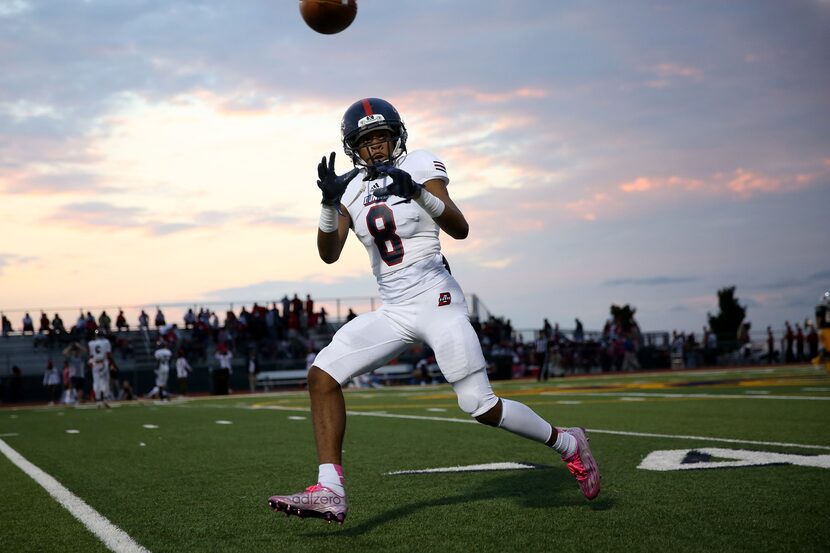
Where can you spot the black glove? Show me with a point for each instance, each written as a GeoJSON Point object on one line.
{"type": "Point", "coordinates": [331, 184]}
{"type": "Point", "coordinates": [402, 184]}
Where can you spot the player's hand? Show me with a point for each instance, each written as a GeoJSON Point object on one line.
{"type": "Point", "coordinates": [331, 184]}
{"type": "Point", "coordinates": [402, 184]}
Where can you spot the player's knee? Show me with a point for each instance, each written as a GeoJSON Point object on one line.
{"type": "Point", "coordinates": [319, 381]}
{"type": "Point", "coordinates": [477, 405]}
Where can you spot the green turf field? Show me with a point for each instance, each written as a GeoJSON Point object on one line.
{"type": "Point", "coordinates": [198, 477]}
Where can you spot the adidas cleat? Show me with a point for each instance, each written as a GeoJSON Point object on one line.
{"type": "Point", "coordinates": [315, 502]}
{"type": "Point", "coordinates": [582, 464]}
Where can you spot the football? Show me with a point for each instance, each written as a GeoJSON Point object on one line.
{"type": "Point", "coordinates": [328, 16]}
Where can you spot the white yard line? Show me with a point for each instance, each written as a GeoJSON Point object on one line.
{"type": "Point", "coordinates": [594, 430]}
{"type": "Point", "coordinates": [113, 537]}
{"type": "Point", "coordinates": [564, 392]}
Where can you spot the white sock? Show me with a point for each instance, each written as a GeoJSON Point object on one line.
{"type": "Point", "coordinates": [331, 476]}
{"type": "Point", "coordinates": [520, 419]}
{"type": "Point", "coordinates": [565, 443]}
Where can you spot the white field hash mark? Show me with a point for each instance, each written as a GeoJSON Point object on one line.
{"type": "Point", "coordinates": [113, 537]}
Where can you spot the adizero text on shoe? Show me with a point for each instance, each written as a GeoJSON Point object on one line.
{"type": "Point", "coordinates": [316, 501]}
{"type": "Point", "coordinates": [582, 464]}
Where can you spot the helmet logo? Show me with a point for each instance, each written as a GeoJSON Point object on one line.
{"type": "Point", "coordinates": [374, 118]}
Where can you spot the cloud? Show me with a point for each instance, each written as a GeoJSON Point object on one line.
{"type": "Point", "coordinates": [9, 260]}
{"type": "Point", "coordinates": [19, 182]}
{"type": "Point", "coordinates": [819, 278]}
{"type": "Point", "coordinates": [667, 73]}
{"type": "Point", "coordinates": [739, 183]}
{"type": "Point", "coordinates": [649, 281]}
{"type": "Point", "coordinates": [103, 215]}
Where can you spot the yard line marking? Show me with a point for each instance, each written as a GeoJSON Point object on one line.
{"type": "Point", "coordinates": [669, 395]}
{"type": "Point", "coordinates": [595, 430]}
{"type": "Point", "coordinates": [9, 434]}
{"type": "Point", "coordinates": [470, 468]}
{"type": "Point", "coordinates": [113, 537]}
{"type": "Point", "coordinates": [704, 438]}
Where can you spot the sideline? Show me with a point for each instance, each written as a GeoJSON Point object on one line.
{"type": "Point", "coordinates": [591, 430]}
{"type": "Point", "coordinates": [113, 537]}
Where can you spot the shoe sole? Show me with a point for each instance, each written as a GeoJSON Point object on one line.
{"type": "Point", "coordinates": [328, 516]}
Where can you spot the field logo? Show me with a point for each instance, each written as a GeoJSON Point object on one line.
{"type": "Point", "coordinates": [719, 458]}
{"type": "Point", "coordinates": [444, 298]}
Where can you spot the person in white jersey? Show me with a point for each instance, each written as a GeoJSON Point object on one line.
{"type": "Point", "coordinates": [397, 209]}
{"type": "Point", "coordinates": [99, 361]}
{"type": "Point", "coordinates": [162, 355]}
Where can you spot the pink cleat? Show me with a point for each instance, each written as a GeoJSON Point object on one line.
{"type": "Point", "coordinates": [582, 464]}
{"type": "Point", "coordinates": [316, 501]}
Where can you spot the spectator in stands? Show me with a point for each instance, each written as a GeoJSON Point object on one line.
{"type": "Point", "coordinates": [80, 324]}
{"type": "Point", "coordinates": [189, 319]}
{"type": "Point", "coordinates": [225, 359]}
{"type": "Point", "coordinates": [678, 345]}
{"type": "Point", "coordinates": [799, 343]}
{"type": "Point", "coordinates": [579, 331]}
{"type": "Point", "coordinates": [144, 321]}
{"type": "Point", "coordinates": [121, 321]}
{"type": "Point", "coordinates": [160, 322]}
{"type": "Point", "coordinates": [57, 325]}
{"type": "Point", "coordinates": [125, 393]}
{"type": "Point", "coordinates": [309, 308]}
{"type": "Point", "coordinates": [812, 340]}
{"type": "Point", "coordinates": [105, 323]}
{"type": "Point", "coordinates": [90, 326]}
{"type": "Point", "coordinates": [68, 392]}
{"type": "Point", "coordinates": [28, 327]}
{"type": "Point", "coordinates": [771, 355]}
{"type": "Point", "coordinates": [789, 338]}
{"type": "Point", "coordinates": [323, 317]}
{"type": "Point", "coordinates": [253, 369]}
{"type": "Point", "coordinates": [629, 345]}
{"type": "Point", "coordinates": [52, 381]}
{"type": "Point", "coordinates": [286, 306]}
{"type": "Point", "coordinates": [350, 315]}
{"type": "Point", "coordinates": [44, 323]}
{"type": "Point", "coordinates": [744, 340]}
{"type": "Point", "coordinates": [296, 304]}
{"type": "Point", "coordinates": [6, 326]}
{"type": "Point", "coordinates": [183, 370]}
{"type": "Point", "coordinates": [77, 365]}
{"type": "Point", "coordinates": [547, 329]}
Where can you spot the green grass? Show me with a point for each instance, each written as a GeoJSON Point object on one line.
{"type": "Point", "coordinates": [195, 485]}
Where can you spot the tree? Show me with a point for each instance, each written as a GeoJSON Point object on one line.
{"type": "Point", "coordinates": [727, 322]}
{"type": "Point", "coordinates": [624, 316]}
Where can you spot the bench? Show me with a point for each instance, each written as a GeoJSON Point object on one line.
{"type": "Point", "coordinates": [267, 379]}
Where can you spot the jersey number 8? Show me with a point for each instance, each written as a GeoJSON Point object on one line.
{"type": "Point", "coordinates": [385, 234]}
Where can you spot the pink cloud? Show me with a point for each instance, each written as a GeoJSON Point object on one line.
{"type": "Point", "coordinates": [740, 182]}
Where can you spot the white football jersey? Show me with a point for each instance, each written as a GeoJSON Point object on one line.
{"type": "Point", "coordinates": [163, 356]}
{"type": "Point", "coordinates": [400, 237]}
{"type": "Point", "coordinates": [98, 349]}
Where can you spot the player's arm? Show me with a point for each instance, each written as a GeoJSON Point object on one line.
{"type": "Point", "coordinates": [334, 217]}
{"type": "Point", "coordinates": [451, 220]}
{"type": "Point", "coordinates": [432, 196]}
{"type": "Point", "coordinates": [330, 244]}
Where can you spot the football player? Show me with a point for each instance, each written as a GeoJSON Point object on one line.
{"type": "Point", "coordinates": [162, 355]}
{"type": "Point", "coordinates": [396, 209]}
{"type": "Point", "coordinates": [99, 360]}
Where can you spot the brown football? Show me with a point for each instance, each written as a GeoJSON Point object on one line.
{"type": "Point", "coordinates": [328, 16]}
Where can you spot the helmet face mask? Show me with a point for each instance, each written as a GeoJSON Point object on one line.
{"type": "Point", "coordinates": [367, 116]}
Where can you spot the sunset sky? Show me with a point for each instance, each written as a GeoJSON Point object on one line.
{"type": "Point", "coordinates": [641, 152]}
